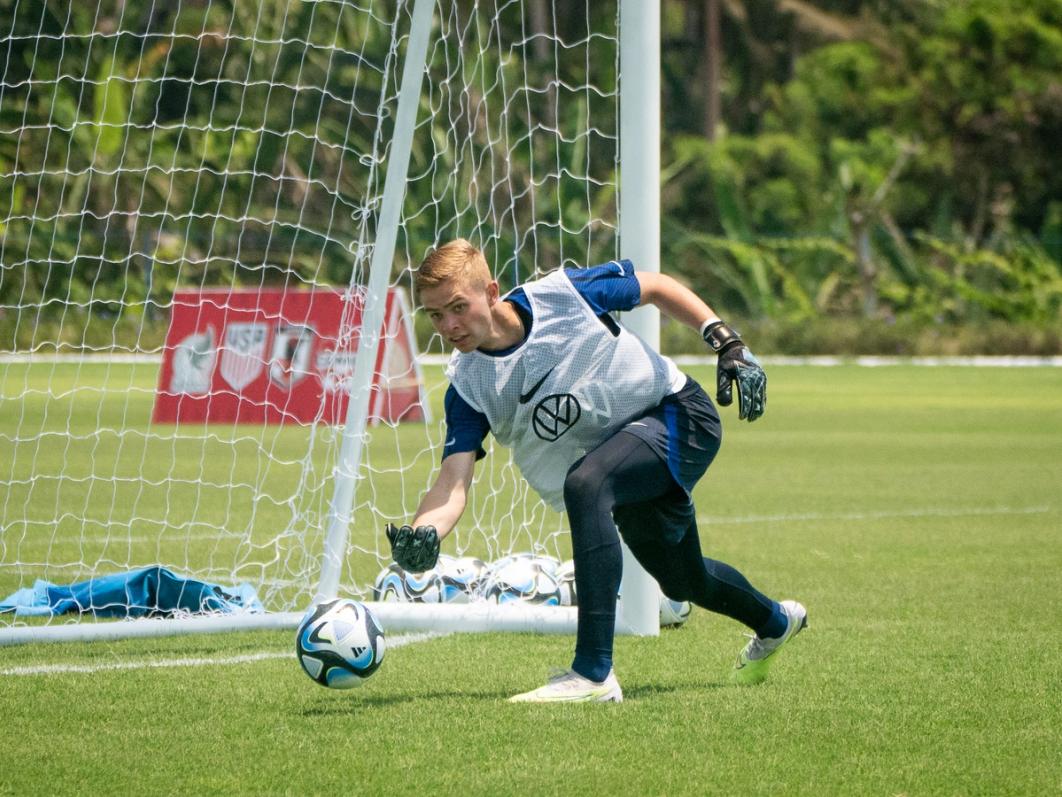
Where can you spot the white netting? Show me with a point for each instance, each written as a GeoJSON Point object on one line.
{"type": "Point", "coordinates": [149, 148]}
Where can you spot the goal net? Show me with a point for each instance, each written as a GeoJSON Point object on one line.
{"type": "Point", "coordinates": [154, 151]}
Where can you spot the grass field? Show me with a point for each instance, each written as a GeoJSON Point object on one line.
{"type": "Point", "coordinates": [92, 485]}
{"type": "Point", "coordinates": [917, 512]}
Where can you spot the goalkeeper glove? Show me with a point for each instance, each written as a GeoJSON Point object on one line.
{"type": "Point", "coordinates": [414, 550]}
{"type": "Point", "coordinates": [737, 363]}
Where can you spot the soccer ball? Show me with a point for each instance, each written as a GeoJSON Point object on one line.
{"type": "Point", "coordinates": [390, 585]}
{"type": "Point", "coordinates": [522, 579]}
{"type": "Point", "coordinates": [565, 578]}
{"type": "Point", "coordinates": [452, 580]}
{"type": "Point", "coordinates": [547, 563]}
{"type": "Point", "coordinates": [396, 584]}
{"type": "Point", "coordinates": [673, 612]}
{"type": "Point", "coordinates": [339, 643]}
{"type": "Point", "coordinates": [459, 578]}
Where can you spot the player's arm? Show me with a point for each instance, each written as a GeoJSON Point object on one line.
{"type": "Point", "coordinates": [445, 501]}
{"type": "Point", "coordinates": [674, 299]}
{"type": "Point", "coordinates": [415, 547]}
{"type": "Point", "coordinates": [736, 362]}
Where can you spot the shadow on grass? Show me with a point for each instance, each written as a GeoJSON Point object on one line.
{"type": "Point", "coordinates": [356, 702]}
{"type": "Point", "coordinates": [640, 691]}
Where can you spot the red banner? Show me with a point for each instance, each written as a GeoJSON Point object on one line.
{"type": "Point", "coordinates": [276, 356]}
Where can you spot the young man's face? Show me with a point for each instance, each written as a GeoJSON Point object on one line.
{"type": "Point", "coordinates": [461, 313]}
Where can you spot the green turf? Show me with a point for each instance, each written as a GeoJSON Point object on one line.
{"type": "Point", "coordinates": [915, 511]}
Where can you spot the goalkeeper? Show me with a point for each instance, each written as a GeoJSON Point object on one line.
{"type": "Point", "coordinates": [603, 428]}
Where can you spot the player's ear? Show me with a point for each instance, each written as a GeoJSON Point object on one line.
{"type": "Point", "coordinates": [493, 293]}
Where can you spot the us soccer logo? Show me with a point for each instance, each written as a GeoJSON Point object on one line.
{"type": "Point", "coordinates": [193, 362]}
{"type": "Point", "coordinates": [290, 361]}
{"type": "Point", "coordinates": [243, 355]}
{"type": "Point", "coordinates": [555, 415]}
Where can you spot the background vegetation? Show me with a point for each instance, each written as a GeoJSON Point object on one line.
{"type": "Point", "coordinates": [891, 168]}
{"type": "Point", "coordinates": [839, 175]}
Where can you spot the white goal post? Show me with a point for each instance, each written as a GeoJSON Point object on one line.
{"type": "Point", "coordinates": [238, 149]}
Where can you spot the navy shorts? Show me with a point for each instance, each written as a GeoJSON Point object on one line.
{"type": "Point", "coordinates": [685, 432]}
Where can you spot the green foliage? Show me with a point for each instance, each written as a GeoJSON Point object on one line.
{"type": "Point", "coordinates": [925, 152]}
{"type": "Point", "coordinates": [788, 284]}
{"type": "Point", "coordinates": [903, 150]}
{"type": "Point", "coordinates": [761, 278]}
{"type": "Point", "coordinates": [1018, 283]}
{"type": "Point", "coordinates": [988, 84]}
{"type": "Point", "coordinates": [111, 106]}
{"type": "Point", "coordinates": [836, 91]}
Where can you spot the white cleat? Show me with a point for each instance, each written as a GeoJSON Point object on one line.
{"type": "Point", "coordinates": [567, 686]}
{"type": "Point", "coordinates": [755, 660]}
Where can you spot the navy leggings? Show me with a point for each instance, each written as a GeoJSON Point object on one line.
{"type": "Point", "coordinates": [623, 481]}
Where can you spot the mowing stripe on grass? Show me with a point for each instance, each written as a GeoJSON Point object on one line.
{"type": "Point", "coordinates": [909, 513]}
{"type": "Point", "coordinates": [246, 658]}
{"type": "Point", "coordinates": [716, 519]}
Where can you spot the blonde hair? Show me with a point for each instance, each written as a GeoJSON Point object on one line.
{"type": "Point", "coordinates": [458, 261]}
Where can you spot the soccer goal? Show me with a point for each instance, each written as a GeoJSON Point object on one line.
{"type": "Point", "coordinates": [267, 174]}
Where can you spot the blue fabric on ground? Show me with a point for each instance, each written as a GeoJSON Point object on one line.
{"type": "Point", "coordinates": [150, 591]}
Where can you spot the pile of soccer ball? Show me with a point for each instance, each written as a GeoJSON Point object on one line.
{"type": "Point", "coordinates": [523, 577]}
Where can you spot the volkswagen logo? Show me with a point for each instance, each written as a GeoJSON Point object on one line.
{"type": "Point", "coordinates": [555, 415]}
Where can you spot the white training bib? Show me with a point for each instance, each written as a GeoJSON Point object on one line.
{"type": "Point", "coordinates": [566, 389]}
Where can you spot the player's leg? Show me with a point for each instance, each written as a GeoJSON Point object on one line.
{"type": "Point", "coordinates": [684, 574]}
{"type": "Point", "coordinates": [623, 469]}
{"type": "Point", "coordinates": [625, 481]}
{"type": "Point", "coordinates": [662, 533]}
{"type": "Point", "coordinates": [684, 435]}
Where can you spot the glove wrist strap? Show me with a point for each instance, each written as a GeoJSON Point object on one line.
{"type": "Point", "coordinates": [720, 337]}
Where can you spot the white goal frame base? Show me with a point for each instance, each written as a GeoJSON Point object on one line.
{"type": "Point", "coordinates": [476, 617]}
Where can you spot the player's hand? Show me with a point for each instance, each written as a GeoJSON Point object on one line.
{"type": "Point", "coordinates": [414, 549]}
{"type": "Point", "coordinates": [737, 364]}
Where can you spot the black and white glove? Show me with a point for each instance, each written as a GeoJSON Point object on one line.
{"type": "Point", "coordinates": [414, 549]}
{"type": "Point", "coordinates": [737, 364]}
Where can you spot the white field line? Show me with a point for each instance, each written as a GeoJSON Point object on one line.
{"type": "Point", "coordinates": [925, 512]}
{"type": "Point", "coordinates": [87, 358]}
{"type": "Point", "coordinates": [911, 513]}
{"type": "Point", "coordinates": [867, 361]}
{"type": "Point", "coordinates": [140, 539]}
{"type": "Point", "coordinates": [880, 362]}
{"type": "Point", "coordinates": [246, 658]}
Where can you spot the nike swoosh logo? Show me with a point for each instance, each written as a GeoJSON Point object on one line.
{"type": "Point", "coordinates": [526, 397]}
